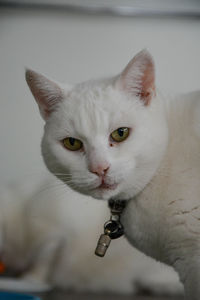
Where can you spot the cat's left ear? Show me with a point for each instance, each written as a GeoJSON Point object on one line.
{"type": "Point", "coordinates": [46, 92]}
{"type": "Point", "coordinates": [138, 78]}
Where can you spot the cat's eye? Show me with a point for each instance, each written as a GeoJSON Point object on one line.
{"type": "Point", "coordinates": [120, 134]}
{"type": "Point", "coordinates": [72, 144]}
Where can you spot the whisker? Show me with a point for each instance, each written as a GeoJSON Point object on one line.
{"type": "Point", "coordinates": [52, 186]}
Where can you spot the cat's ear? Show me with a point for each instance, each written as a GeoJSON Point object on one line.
{"type": "Point", "coordinates": [47, 93]}
{"type": "Point", "coordinates": [138, 78]}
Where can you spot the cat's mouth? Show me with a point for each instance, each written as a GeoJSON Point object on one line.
{"type": "Point", "coordinates": [107, 186]}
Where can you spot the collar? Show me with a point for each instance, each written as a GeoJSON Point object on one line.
{"type": "Point", "coordinates": [116, 206]}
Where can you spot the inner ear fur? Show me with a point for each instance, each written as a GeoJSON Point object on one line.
{"type": "Point", "coordinates": [138, 77]}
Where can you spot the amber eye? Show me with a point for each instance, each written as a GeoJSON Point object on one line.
{"type": "Point", "coordinates": [120, 134]}
{"type": "Point", "coordinates": [72, 144]}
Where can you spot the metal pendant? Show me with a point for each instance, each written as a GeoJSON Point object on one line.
{"type": "Point", "coordinates": [102, 245]}
{"type": "Point", "coordinates": [112, 230]}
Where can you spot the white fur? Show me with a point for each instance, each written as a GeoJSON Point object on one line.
{"type": "Point", "coordinates": [163, 220]}
{"type": "Point", "coordinates": [49, 234]}
{"type": "Point", "coordinates": [102, 109]}
{"type": "Point", "coordinates": [156, 168]}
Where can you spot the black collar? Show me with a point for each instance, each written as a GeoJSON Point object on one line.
{"type": "Point", "coordinates": [116, 206]}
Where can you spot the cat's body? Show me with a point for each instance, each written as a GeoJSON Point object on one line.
{"type": "Point", "coordinates": [164, 219]}
{"type": "Point", "coordinates": [48, 237]}
{"type": "Point", "coordinates": [121, 139]}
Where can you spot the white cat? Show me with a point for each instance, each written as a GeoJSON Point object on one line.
{"type": "Point", "coordinates": [48, 236]}
{"type": "Point", "coordinates": [120, 138]}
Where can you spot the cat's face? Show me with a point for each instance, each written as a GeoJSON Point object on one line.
{"type": "Point", "coordinates": [101, 138]}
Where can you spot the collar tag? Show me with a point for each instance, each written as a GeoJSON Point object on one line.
{"type": "Point", "coordinates": [113, 228]}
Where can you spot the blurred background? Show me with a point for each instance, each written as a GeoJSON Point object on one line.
{"type": "Point", "coordinates": [74, 40]}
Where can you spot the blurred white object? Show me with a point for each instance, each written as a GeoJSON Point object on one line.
{"type": "Point", "coordinates": [49, 234]}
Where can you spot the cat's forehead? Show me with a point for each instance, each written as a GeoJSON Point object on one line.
{"type": "Point", "coordinates": [89, 112]}
{"type": "Point", "coordinates": [94, 108]}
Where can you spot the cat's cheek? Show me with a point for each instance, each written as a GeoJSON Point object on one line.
{"type": "Point", "coordinates": [58, 160]}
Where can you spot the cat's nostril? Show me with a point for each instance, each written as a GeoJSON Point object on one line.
{"type": "Point", "coordinates": [100, 170]}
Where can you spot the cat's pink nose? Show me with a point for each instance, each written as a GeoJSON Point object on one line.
{"type": "Point", "coordinates": [100, 170]}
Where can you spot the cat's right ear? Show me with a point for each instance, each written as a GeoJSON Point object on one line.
{"type": "Point", "coordinates": [47, 93]}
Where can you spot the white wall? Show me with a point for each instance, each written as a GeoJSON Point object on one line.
{"type": "Point", "coordinates": [74, 47]}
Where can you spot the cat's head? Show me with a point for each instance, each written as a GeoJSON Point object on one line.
{"type": "Point", "coordinates": [104, 138]}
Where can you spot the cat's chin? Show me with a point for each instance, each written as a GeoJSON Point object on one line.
{"type": "Point", "coordinates": [104, 193]}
